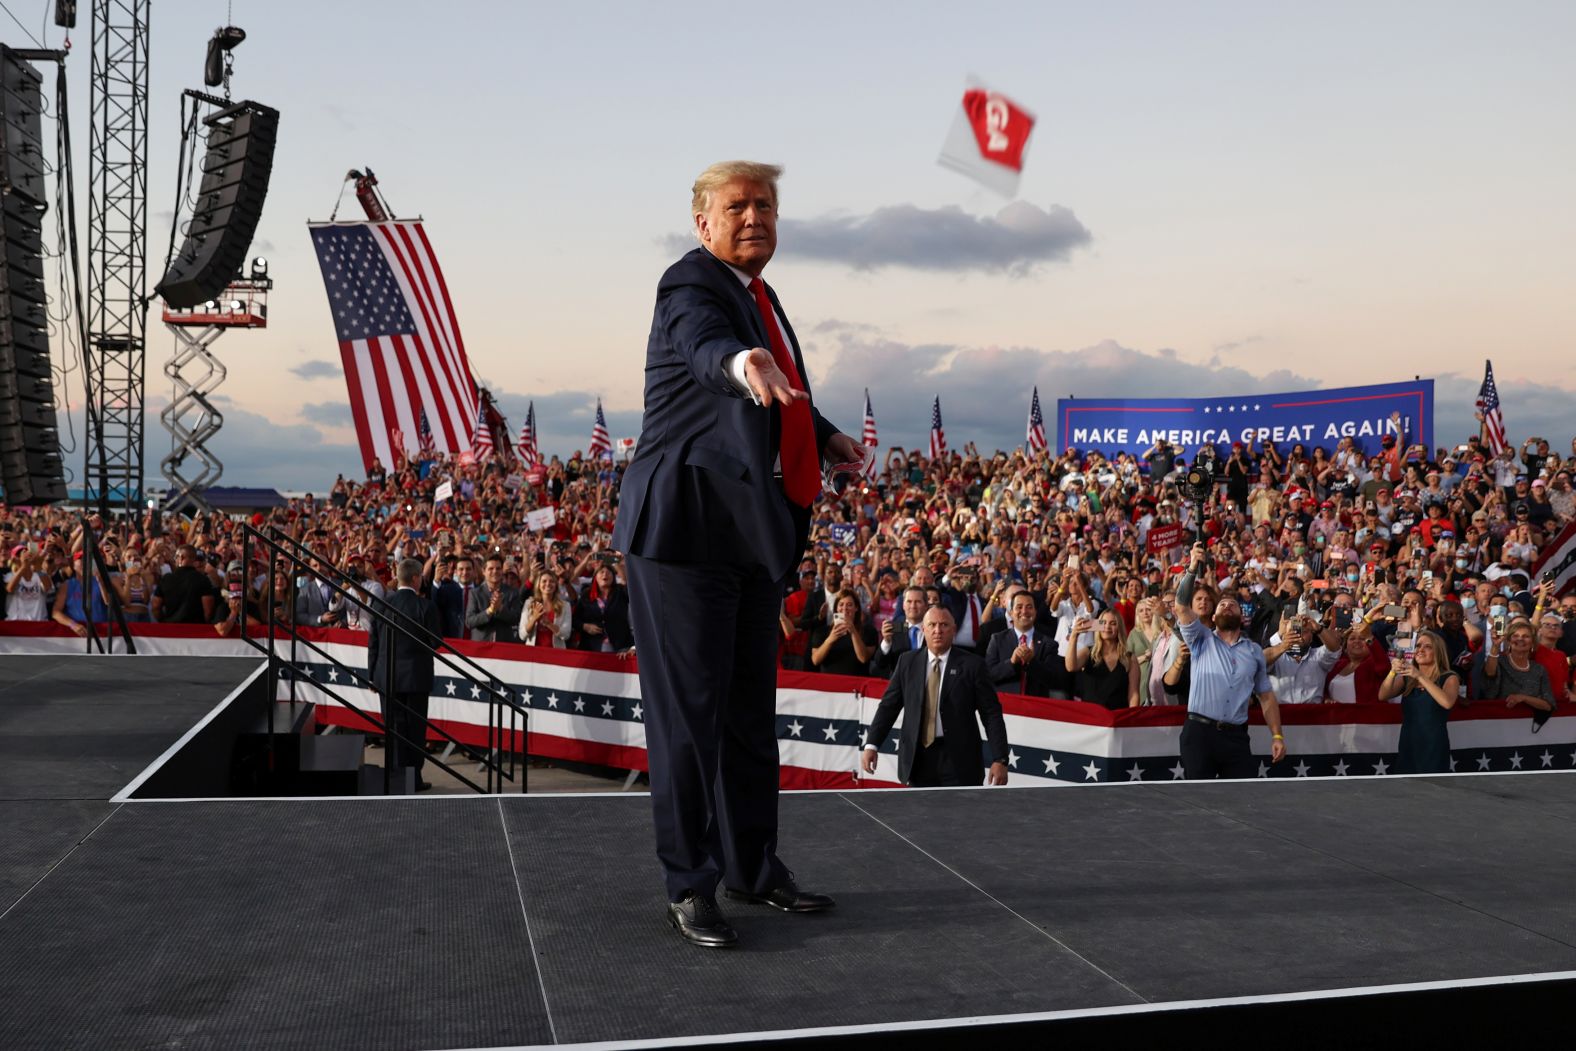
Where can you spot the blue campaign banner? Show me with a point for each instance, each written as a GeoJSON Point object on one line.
{"type": "Point", "coordinates": [1314, 418]}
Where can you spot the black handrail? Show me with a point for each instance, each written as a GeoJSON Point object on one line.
{"type": "Point", "coordinates": [93, 565]}
{"type": "Point", "coordinates": [499, 761]}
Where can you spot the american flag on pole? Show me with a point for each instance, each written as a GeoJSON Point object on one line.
{"type": "Point", "coordinates": [601, 444]}
{"type": "Point", "coordinates": [482, 443]}
{"type": "Point", "coordinates": [399, 339]}
{"type": "Point", "coordinates": [528, 453]}
{"type": "Point", "coordinates": [1488, 406]}
{"type": "Point", "coordinates": [938, 437]}
{"type": "Point", "coordinates": [426, 434]}
{"type": "Point", "coordinates": [868, 439]}
{"type": "Point", "coordinates": [1036, 434]}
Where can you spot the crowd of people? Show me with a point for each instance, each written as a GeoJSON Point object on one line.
{"type": "Point", "coordinates": [1348, 564]}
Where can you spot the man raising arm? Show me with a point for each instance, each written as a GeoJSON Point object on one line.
{"type": "Point", "coordinates": [1227, 671]}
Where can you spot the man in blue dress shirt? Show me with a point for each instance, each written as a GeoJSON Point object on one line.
{"type": "Point", "coordinates": [1227, 672]}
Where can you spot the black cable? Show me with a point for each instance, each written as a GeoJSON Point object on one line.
{"type": "Point", "coordinates": [19, 24]}
{"type": "Point", "coordinates": [188, 127]}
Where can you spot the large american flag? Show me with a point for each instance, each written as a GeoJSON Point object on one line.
{"type": "Point", "coordinates": [869, 436]}
{"type": "Point", "coordinates": [1036, 434]}
{"type": "Point", "coordinates": [1488, 405]}
{"type": "Point", "coordinates": [601, 444]}
{"type": "Point", "coordinates": [399, 339]}
{"type": "Point", "coordinates": [938, 437]}
{"type": "Point", "coordinates": [528, 454]}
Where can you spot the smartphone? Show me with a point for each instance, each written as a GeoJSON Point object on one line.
{"type": "Point", "coordinates": [1073, 561]}
{"type": "Point", "coordinates": [1394, 612]}
{"type": "Point", "coordinates": [1498, 624]}
{"type": "Point", "coordinates": [1428, 574]}
{"type": "Point", "coordinates": [837, 618]}
{"type": "Point", "coordinates": [1343, 619]}
{"type": "Point", "coordinates": [418, 534]}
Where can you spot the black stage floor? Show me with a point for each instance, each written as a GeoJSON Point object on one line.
{"type": "Point", "coordinates": [485, 922]}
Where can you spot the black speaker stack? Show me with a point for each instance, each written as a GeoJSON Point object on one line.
{"type": "Point", "coordinates": [235, 173]}
{"type": "Point", "coordinates": [31, 470]}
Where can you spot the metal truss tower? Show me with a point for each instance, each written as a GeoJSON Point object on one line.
{"type": "Point", "coordinates": [117, 255]}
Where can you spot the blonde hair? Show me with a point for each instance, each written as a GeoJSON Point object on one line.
{"type": "Point", "coordinates": [1441, 655]}
{"type": "Point", "coordinates": [1098, 651]}
{"type": "Point", "coordinates": [724, 172]}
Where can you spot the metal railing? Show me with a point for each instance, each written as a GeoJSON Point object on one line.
{"type": "Point", "coordinates": [94, 569]}
{"type": "Point", "coordinates": [507, 719]}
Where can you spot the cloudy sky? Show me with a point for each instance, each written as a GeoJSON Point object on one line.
{"type": "Point", "coordinates": [1219, 198]}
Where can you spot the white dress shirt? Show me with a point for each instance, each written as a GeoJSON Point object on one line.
{"type": "Point", "coordinates": [930, 659]}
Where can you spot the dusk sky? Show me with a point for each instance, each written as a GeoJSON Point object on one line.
{"type": "Point", "coordinates": [1219, 198]}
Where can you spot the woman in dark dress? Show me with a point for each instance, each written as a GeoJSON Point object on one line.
{"type": "Point", "coordinates": [1105, 673]}
{"type": "Point", "coordinates": [845, 646]}
{"type": "Point", "coordinates": [1427, 689]}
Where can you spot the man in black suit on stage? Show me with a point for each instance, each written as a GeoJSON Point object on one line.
{"type": "Point", "coordinates": [405, 694]}
{"type": "Point", "coordinates": [1024, 660]}
{"type": "Point", "coordinates": [714, 514]}
{"type": "Point", "coordinates": [940, 690]}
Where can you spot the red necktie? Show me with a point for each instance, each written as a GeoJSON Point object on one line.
{"type": "Point", "coordinates": [1023, 673]}
{"type": "Point", "coordinates": [796, 437]}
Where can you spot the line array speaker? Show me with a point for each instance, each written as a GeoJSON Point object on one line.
{"type": "Point", "coordinates": [235, 173]}
{"type": "Point", "coordinates": [30, 466]}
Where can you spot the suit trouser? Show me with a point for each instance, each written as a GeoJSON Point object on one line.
{"type": "Point", "coordinates": [933, 768]}
{"type": "Point", "coordinates": [1216, 751]}
{"type": "Point", "coordinates": [407, 719]}
{"type": "Point", "coordinates": [706, 637]}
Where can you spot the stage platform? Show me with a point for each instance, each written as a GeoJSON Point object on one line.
{"type": "Point", "coordinates": [1285, 911]}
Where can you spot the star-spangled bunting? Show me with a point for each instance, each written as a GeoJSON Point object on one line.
{"type": "Point", "coordinates": [601, 444]}
{"type": "Point", "coordinates": [938, 436]}
{"type": "Point", "coordinates": [399, 338]}
{"type": "Point", "coordinates": [1036, 433]}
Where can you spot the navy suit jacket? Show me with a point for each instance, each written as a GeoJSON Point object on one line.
{"type": "Point", "coordinates": [412, 660]}
{"type": "Point", "coordinates": [700, 487]}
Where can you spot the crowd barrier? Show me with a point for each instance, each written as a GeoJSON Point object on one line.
{"type": "Point", "coordinates": [585, 707]}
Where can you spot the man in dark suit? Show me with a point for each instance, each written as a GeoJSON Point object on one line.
{"type": "Point", "coordinates": [901, 634]}
{"type": "Point", "coordinates": [493, 611]}
{"type": "Point", "coordinates": [401, 672]}
{"type": "Point", "coordinates": [713, 517]}
{"type": "Point", "coordinates": [1025, 660]}
{"type": "Point", "coordinates": [448, 596]}
{"type": "Point", "coordinates": [940, 691]}
{"type": "Point", "coordinates": [823, 600]}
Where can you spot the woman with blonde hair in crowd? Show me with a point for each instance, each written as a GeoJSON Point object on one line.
{"type": "Point", "coordinates": [1149, 627]}
{"type": "Point", "coordinates": [1106, 673]}
{"type": "Point", "coordinates": [1428, 690]}
{"type": "Point", "coordinates": [546, 617]}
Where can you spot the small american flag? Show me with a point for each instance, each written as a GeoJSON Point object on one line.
{"type": "Point", "coordinates": [1488, 406]}
{"type": "Point", "coordinates": [399, 338]}
{"type": "Point", "coordinates": [1036, 435]}
{"type": "Point", "coordinates": [482, 444]}
{"type": "Point", "coordinates": [528, 453]}
{"type": "Point", "coordinates": [869, 436]}
{"type": "Point", "coordinates": [426, 433]}
{"type": "Point", "coordinates": [938, 437]}
{"type": "Point", "coordinates": [601, 444]}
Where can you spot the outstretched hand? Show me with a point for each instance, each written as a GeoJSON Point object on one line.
{"type": "Point", "coordinates": [845, 453]}
{"type": "Point", "coordinates": [768, 381]}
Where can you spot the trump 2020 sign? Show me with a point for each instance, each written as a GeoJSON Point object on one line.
{"type": "Point", "coordinates": [1318, 417]}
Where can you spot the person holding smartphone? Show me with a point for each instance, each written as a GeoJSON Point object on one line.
{"type": "Point", "coordinates": [1428, 690]}
{"type": "Point", "coordinates": [845, 645]}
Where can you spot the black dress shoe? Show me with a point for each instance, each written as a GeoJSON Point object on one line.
{"type": "Point", "coordinates": [787, 897]}
{"type": "Point", "coordinates": [699, 922]}
{"type": "Point", "coordinates": [422, 786]}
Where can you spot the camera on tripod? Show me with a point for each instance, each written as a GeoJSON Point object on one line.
{"type": "Point", "coordinates": [1199, 482]}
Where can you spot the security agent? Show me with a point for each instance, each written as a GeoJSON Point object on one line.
{"type": "Point", "coordinates": [1228, 670]}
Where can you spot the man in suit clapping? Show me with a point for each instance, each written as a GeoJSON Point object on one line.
{"type": "Point", "coordinates": [1023, 660]}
